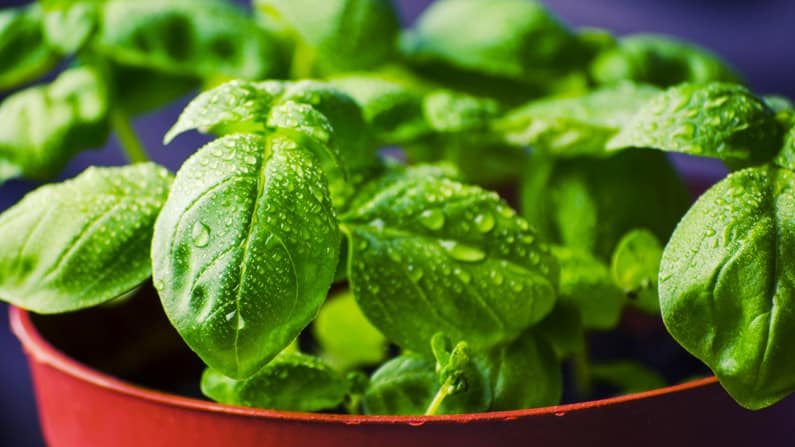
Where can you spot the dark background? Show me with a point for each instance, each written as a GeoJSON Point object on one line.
{"type": "Point", "coordinates": [756, 36]}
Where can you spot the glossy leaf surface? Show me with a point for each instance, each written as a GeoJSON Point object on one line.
{"type": "Point", "coordinates": [454, 256]}
{"type": "Point", "coordinates": [726, 285]}
{"type": "Point", "coordinates": [724, 121]}
{"type": "Point", "coordinates": [83, 242]}
{"type": "Point", "coordinates": [581, 125]}
{"type": "Point", "coordinates": [292, 381]}
{"type": "Point", "coordinates": [245, 249]}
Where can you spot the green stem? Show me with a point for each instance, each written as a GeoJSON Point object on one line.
{"type": "Point", "coordinates": [583, 381]}
{"type": "Point", "coordinates": [443, 392]}
{"type": "Point", "coordinates": [128, 139]}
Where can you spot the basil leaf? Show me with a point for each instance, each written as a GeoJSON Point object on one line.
{"type": "Point", "coordinates": [635, 267]}
{"type": "Point", "coordinates": [24, 54]}
{"type": "Point", "coordinates": [563, 329]}
{"type": "Point", "coordinates": [311, 108]}
{"type": "Point", "coordinates": [786, 156]}
{"type": "Point", "coordinates": [245, 249]}
{"type": "Point", "coordinates": [724, 121]}
{"type": "Point", "coordinates": [525, 374]}
{"type": "Point", "coordinates": [407, 384]}
{"type": "Point", "coordinates": [345, 337]}
{"type": "Point", "coordinates": [581, 125]}
{"type": "Point", "coordinates": [68, 25]}
{"type": "Point", "coordinates": [589, 204]}
{"type": "Point", "coordinates": [659, 60]}
{"type": "Point", "coordinates": [454, 256]}
{"type": "Point", "coordinates": [337, 35]}
{"type": "Point", "coordinates": [447, 111]}
{"type": "Point", "coordinates": [629, 377]}
{"type": "Point", "coordinates": [586, 282]}
{"type": "Point", "coordinates": [726, 289]}
{"type": "Point", "coordinates": [393, 111]}
{"type": "Point", "coordinates": [291, 381]}
{"type": "Point", "coordinates": [43, 127]}
{"type": "Point", "coordinates": [201, 38]}
{"type": "Point", "coordinates": [235, 106]}
{"type": "Point", "coordinates": [404, 385]}
{"type": "Point", "coordinates": [83, 242]}
{"type": "Point", "coordinates": [138, 90]}
{"type": "Point", "coordinates": [513, 39]}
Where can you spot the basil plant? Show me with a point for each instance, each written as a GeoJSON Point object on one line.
{"type": "Point", "coordinates": [310, 270]}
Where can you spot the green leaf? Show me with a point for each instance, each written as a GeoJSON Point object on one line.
{"type": "Point", "coordinates": [586, 282]}
{"type": "Point", "coordinates": [346, 339]}
{"type": "Point", "coordinates": [786, 156]}
{"type": "Point", "coordinates": [407, 384]}
{"type": "Point", "coordinates": [245, 249]}
{"type": "Point", "coordinates": [589, 203]}
{"type": "Point", "coordinates": [452, 112]}
{"type": "Point", "coordinates": [629, 377]}
{"type": "Point", "coordinates": [24, 53]}
{"type": "Point", "coordinates": [563, 329]}
{"type": "Point", "coordinates": [455, 257]}
{"type": "Point", "coordinates": [582, 125]}
{"type": "Point", "coordinates": [726, 283]}
{"type": "Point", "coordinates": [83, 242]}
{"type": "Point", "coordinates": [138, 90]}
{"type": "Point", "coordinates": [393, 111]}
{"type": "Point", "coordinates": [312, 108]}
{"type": "Point", "coordinates": [659, 60]}
{"type": "Point", "coordinates": [337, 35]}
{"type": "Point", "coordinates": [43, 127]}
{"type": "Point", "coordinates": [724, 121]}
{"type": "Point", "coordinates": [463, 387]}
{"type": "Point", "coordinates": [291, 381]}
{"type": "Point", "coordinates": [513, 39]}
{"type": "Point", "coordinates": [68, 25]}
{"type": "Point", "coordinates": [202, 38]}
{"type": "Point", "coordinates": [635, 267]}
{"type": "Point", "coordinates": [525, 374]}
{"type": "Point", "coordinates": [404, 385]}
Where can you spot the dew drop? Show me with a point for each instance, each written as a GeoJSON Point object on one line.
{"type": "Point", "coordinates": [465, 277]}
{"type": "Point", "coordinates": [200, 234]}
{"type": "Point", "coordinates": [432, 219]}
{"type": "Point", "coordinates": [415, 274]}
{"type": "Point", "coordinates": [496, 277]}
{"type": "Point", "coordinates": [250, 159]}
{"type": "Point", "coordinates": [461, 252]}
{"type": "Point", "coordinates": [484, 222]}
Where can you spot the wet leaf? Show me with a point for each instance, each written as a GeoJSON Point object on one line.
{"type": "Point", "coordinates": [245, 249]}
{"type": "Point", "coordinates": [83, 242]}
{"type": "Point", "coordinates": [726, 285]}
{"type": "Point", "coordinates": [454, 256]}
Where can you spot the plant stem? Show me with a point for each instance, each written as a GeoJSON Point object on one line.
{"type": "Point", "coordinates": [128, 139]}
{"type": "Point", "coordinates": [443, 392]}
{"type": "Point", "coordinates": [582, 374]}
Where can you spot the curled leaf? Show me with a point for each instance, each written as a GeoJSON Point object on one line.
{"type": "Point", "coordinates": [724, 121]}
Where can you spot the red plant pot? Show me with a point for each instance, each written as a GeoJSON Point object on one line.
{"type": "Point", "coordinates": [80, 406]}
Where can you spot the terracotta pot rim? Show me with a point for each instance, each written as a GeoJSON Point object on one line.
{"type": "Point", "coordinates": [40, 350]}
